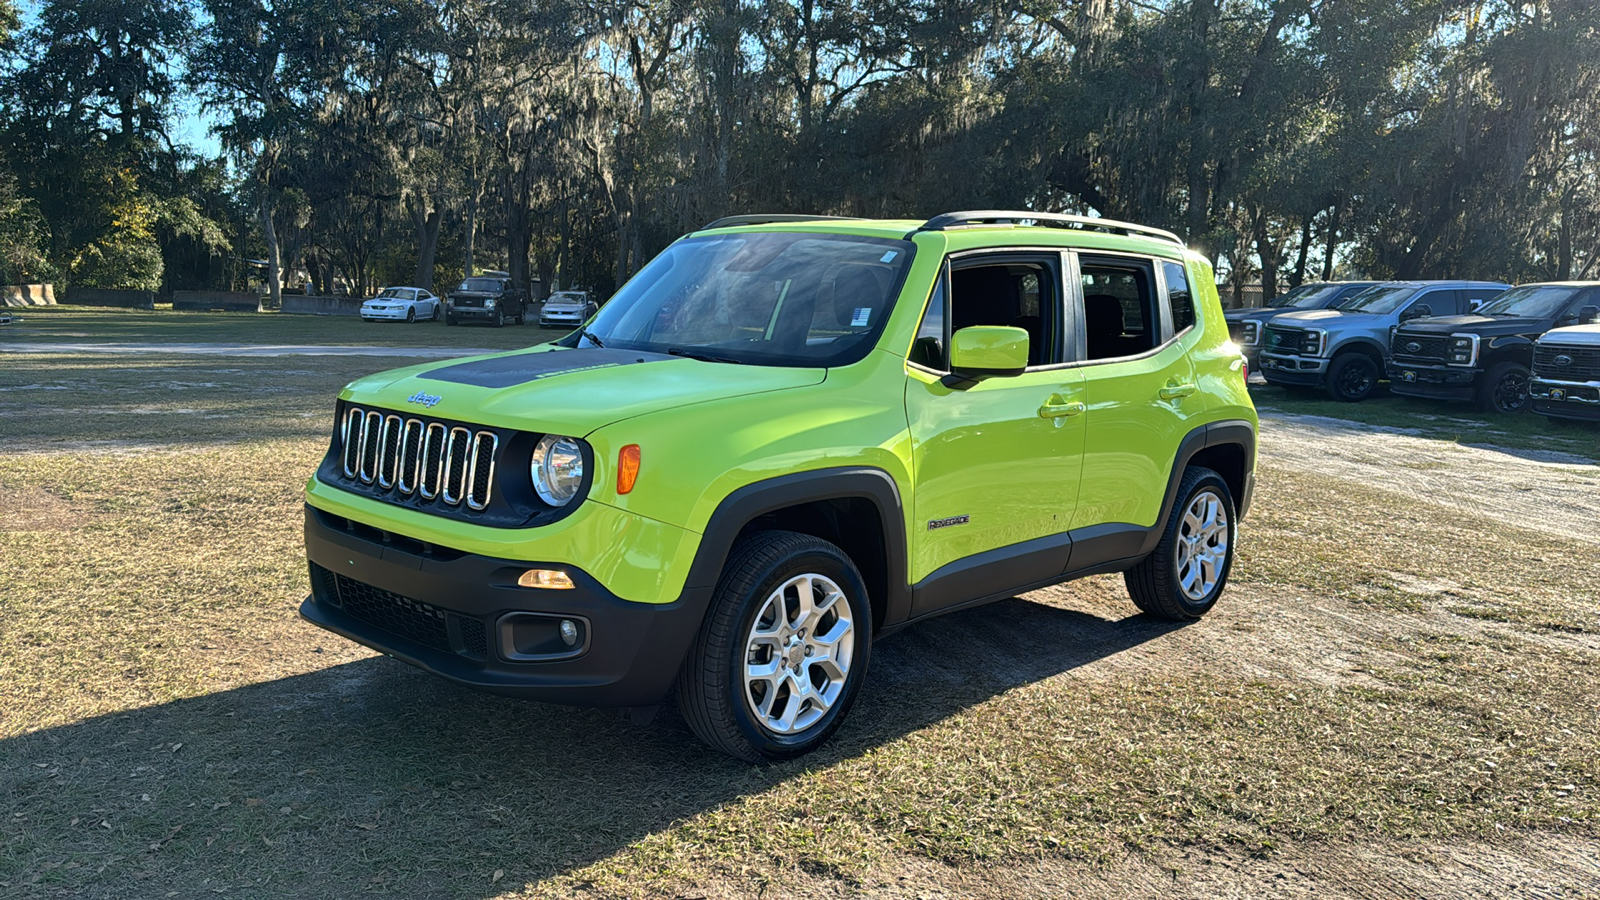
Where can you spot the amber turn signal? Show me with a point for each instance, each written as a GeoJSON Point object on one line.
{"type": "Point", "coordinates": [551, 579]}
{"type": "Point", "coordinates": [627, 468]}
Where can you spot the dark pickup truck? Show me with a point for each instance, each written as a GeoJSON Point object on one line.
{"type": "Point", "coordinates": [1486, 357]}
{"type": "Point", "coordinates": [488, 299]}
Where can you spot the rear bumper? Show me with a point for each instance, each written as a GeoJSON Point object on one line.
{"type": "Point", "coordinates": [463, 617]}
{"type": "Point", "coordinates": [1282, 368]}
{"type": "Point", "coordinates": [1579, 401]}
{"type": "Point", "coordinates": [1433, 382]}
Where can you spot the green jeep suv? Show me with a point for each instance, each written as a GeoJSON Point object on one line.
{"type": "Point", "coordinates": [786, 437]}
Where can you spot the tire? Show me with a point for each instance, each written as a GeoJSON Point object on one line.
{"type": "Point", "coordinates": [1505, 389]}
{"type": "Point", "coordinates": [499, 317]}
{"type": "Point", "coordinates": [411, 315]}
{"type": "Point", "coordinates": [1158, 584]}
{"type": "Point", "coordinates": [435, 316]}
{"type": "Point", "coordinates": [450, 321]}
{"type": "Point", "coordinates": [721, 701]}
{"type": "Point", "coordinates": [1352, 377]}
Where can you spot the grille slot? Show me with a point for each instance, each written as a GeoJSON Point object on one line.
{"type": "Point", "coordinates": [455, 465]}
{"type": "Point", "coordinates": [1286, 340]}
{"type": "Point", "coordinates": [1584, 365]}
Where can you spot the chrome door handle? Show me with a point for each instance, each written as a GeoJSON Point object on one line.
{"type": "Point", "coordinates": [1176, 391]}
{"type": "Point", "coordinates": [1056, 407]}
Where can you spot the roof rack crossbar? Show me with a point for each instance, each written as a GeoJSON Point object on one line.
{"type": "Point", "coordinates": [770, 219]}
{"type": "Point", "coordinates": [1017, 217]}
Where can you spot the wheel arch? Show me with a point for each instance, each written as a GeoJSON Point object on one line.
{"type": "Point", "coordinates": [1366, 346]}
{"type": "Point", "coordinates": [858, 509]}
{"type": "Point", "coordinates": [1226, 447]}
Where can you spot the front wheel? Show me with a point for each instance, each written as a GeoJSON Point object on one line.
{"type": "Point", "coordinates": [782, 652]}
{"type": "Point", "coordinates": [1182, 579]}
{"type": "Point", "coordinates": [1352, 377]}
{"type": "Point", "coordinates": [499, 317]}
{"type": "Point", "coordinates": [435, 316]}
{"type": "Point", "coordinates": [1505, 389]}
{"type": "Point", "coordinates": [411, 315]}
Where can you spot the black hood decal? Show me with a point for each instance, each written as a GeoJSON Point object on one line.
{"type": "Point", "coordinates": [507, 371]}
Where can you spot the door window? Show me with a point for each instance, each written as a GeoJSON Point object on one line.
{"type": "Point", "coordinates": [1020, 293]}
{"type": "Point", "coordinates": [1119, 309]}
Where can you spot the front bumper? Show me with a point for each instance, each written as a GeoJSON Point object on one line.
{"type": "Point", "coordinates": [1579, 400]}
{"type": "Point", "coordinates": [1433, 382]}
{"type": "Point", "coordinates": [570, 320]}
{"type": "Point", "coordinates": [374, 314]}
{"type": "Point", "coordinates": [486, 313]}
{"type": "Point", "coordinates": [1292, 369]}
{"type": "Point", "coordinates": [462, 616]}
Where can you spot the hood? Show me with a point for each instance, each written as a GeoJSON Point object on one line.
{"type": "Point", "coordinates": [1255, 313]}
{"type": "Point", "coordinates": [1487, 326]}
{"type": "Point", "coordinates": [1573, 336]}
{"type": "Point", "coordinates": [1318, 318]}
{"type": "Point", "coordinates": [567, 391]}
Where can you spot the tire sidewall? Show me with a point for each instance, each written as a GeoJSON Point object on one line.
{"type": "Point", "coordinates": [843, 572]}
{"type": "Point", "coordinates": [1208, 482]}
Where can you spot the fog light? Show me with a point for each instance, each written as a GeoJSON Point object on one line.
{"type": "Point", "coordinates": [551, 579]}
{"type": "Point", "coordinates": [569, 632]}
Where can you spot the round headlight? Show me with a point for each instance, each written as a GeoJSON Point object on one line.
{"type": "Point", "coordinates": [557, 469]}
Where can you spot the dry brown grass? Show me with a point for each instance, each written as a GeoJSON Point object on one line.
{"type": "Point", "coordinates": [1381, 674]}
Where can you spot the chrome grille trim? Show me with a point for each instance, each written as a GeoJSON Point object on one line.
{"type": "Point", "coordinates": [432, 449]}
{"type": "Point", "coordinates": [410, 456]}
{"type": "Point", "coordinates": [350, 454]}
{"type": "Point", "coordinates": [454, 486]}
{"type": "Point", "coordinates": [478, 497]}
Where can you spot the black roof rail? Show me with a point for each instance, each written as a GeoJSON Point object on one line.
{"type": "Point", "coordinates": [772, 218]}
{"type": "Point", "coordinates": [1018, 217]}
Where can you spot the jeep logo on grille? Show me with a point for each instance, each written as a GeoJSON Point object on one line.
{"type": "Point", "coordinates": [428, 400]}
{"type": "Point", "coordinates": [1413, 347]}
{"type": "Point", "coordinates": [1562, 360]}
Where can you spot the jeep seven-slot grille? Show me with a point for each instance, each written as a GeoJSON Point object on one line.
{"type": "Point", "coordinates": [1428, 347]}
{"type": "Point", "coordinates": [408, 455]}
{"type": "Point", "coordinates": [414, 620]}
{"type": "Point", "coordinates": [1558, 363]}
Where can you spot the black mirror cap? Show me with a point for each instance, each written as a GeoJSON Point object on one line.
{"type": "Point", "coordinates": [1589, 315]}
{"type": "Point", "coordinates": [1420, 311]}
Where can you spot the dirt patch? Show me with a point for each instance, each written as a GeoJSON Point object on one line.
{"type": "Point", "coordinates": [32, 509]}
{"type": "Point", "coordinates": [1550, 491]}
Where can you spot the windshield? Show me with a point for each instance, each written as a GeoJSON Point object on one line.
{"type": "Point", "coordinates": [565, 297]}
{"type": "Point", "coordinates": [1535, 301]}
{"type": "Point", "coordinates": [481, 285]}
{"type": "Point", "coordinates": [761, 298]}
{"type": "Point", "coordinates": [394, 294]}
{"type": "Point", "coordinates": [1380, 299]}
{"type": "Point", "coordinates": [1309, 298]}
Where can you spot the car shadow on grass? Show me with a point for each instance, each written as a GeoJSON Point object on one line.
{"type": "Point", "coordinates": [375, 777]}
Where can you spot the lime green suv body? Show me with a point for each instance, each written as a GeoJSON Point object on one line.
{"type": "Point", "coordinates": [787, 436]}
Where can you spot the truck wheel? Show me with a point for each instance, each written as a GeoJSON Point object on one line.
{"type": "Point", "coordinates": [499, 317]}
{"type": "Point", "coordinates": [1505, 389]}
{"type": "Point", "coordinates": [1352, 377]}
{"type": "Point", "coordinates": [1182, 579]}
{"type": "Point", "coordinates": [783, 650]}
{"type": "Point", "coordinates": [449, 320]}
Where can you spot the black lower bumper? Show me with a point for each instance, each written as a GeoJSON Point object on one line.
{"type": "Point", "coordinates": [1292, 377]}
{"type": "Point", "coordinates": [463, 617]}
{"type": "Point", "coordinates": [1433, 382]}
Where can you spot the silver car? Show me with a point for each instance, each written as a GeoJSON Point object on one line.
{"type": "Point", "coordinates": [567, 309]}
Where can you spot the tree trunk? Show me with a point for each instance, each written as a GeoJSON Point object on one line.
{"type": "Point", "coordinates": [274, 261]}
{"type": "Point", "coordinates": [1332, 243]}
{"type": "Point", "coordinates": [472, 233]}
{"type": "Point", "coordinates": [427, 246]}
{"type": "Point", "coordinates": [1564, 248]}
{"type": "Point", "coordinates": [1299, 276]}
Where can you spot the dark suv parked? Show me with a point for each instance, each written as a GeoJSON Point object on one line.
{"type": "Point", "coordinates": [1245, 326]}
{"type": "Point", "coordinates": [1486, 356]}
{"type": "Point", "coordinates": [486, 298]}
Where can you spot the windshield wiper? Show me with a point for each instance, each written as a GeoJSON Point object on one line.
{"type": "Point", "coordinates": [592, 339]}
{"type": "Point", "coordinates": [703, 357]}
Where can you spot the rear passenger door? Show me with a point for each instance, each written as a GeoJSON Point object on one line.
{"type": "Point", "coordinates": [1137, 320]}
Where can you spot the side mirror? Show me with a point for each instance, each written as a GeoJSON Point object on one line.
{"type": "Point", "coordinates": [1420, 311]}
{"type": "Point", "coordinates": [1589, 315]}
{"type": "Point", "coordinates": [989, 350]}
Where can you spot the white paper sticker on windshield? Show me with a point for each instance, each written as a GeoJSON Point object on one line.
{"type": "Point", "coordinates": [863, 314]}
{"type": "Point", "coordinates": [889, 257]}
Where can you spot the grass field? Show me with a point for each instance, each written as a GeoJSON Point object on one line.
{"type": "Point", "coordinates": [1385, 680]}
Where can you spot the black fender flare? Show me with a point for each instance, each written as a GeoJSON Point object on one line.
{"type": "Point", "coordinates": [754, 500]}
{"type": "Point", "coordinates": [1234, 432]}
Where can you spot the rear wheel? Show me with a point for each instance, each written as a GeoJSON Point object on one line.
{"type": "Point", "coordinates": [783, 650]}
{"type": "Point", "coordinates": [1504, 389]}
{"type": "Point", "coordinates": [1182, 579]}
{"type": "Point", "coordinates": [1352, 376]}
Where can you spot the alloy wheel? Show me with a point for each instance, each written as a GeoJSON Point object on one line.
{"type": "Point", "coordinates": [1202, 545]}
{"type": "Point", "coordinates": [1511, 392]}
{"type": "Point", "coordinates": [798, 654]}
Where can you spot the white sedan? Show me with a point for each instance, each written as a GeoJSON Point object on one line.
{"type": "Point", "coordinates": [402, 304]}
